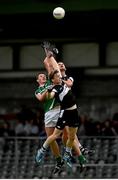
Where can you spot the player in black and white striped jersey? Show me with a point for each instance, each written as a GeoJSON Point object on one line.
{"type": "Point", "coordinates": [68, 82]}
{"type": "Point", "coordinates": [68, 117]}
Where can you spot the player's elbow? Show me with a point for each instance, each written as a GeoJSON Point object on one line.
{"type": "Point", "coordinates": [40, 98]}
{"type": "Point", "coordinates": [70, 84]}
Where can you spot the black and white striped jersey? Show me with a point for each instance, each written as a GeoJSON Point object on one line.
{"type": "Point", "coordinates": [65, 96]}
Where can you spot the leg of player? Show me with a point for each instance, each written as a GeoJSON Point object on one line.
{"type": "Point", "coordinates": [41, 152]}
{"type": "Point", "coordinates": [81, 158]}
{"type": "Point", "coordinates": [59, 161]}
{"type": "Point", "coordinates": [50, 122]}
{"type": "Point", "coordinates": [69, 144]}
{"type": "Point", "coordinates": [84, 150]}
{"type": "Point", "coordinates": [54, 146]}
{"type": "Point", "coordinates": [76, 144]}
{"type": "Point", "coordinates": [55, 151]}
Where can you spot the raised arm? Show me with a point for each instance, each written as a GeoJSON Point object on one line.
{"type": "Point", "coordinates": [50, 62]}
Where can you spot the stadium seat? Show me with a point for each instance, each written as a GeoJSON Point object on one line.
{"type": "Point", "coordinates": [17, 162]}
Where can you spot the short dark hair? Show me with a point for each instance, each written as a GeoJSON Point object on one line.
{"type": "Point", "coordinates": [51, 75]}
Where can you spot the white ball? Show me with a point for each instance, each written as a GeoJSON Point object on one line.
{"type": "Point", "coordinates": [59, 13]}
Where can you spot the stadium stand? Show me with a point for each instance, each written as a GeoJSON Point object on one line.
{"type": "Point", "coordinates": [17, 159]}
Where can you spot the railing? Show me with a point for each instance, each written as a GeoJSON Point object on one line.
{"type": "Point", "coordinates": [17, 158]}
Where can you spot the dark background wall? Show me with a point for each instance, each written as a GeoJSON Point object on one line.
{"type": "Point", "coordinates": [84, 20]}
{"type": "Point", "coordinates": [30, 22]}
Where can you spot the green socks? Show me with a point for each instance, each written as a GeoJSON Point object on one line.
{"type": "Point", "coordinates": [82, 159]}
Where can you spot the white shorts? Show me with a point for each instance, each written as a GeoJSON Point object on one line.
{"type": "Point", "coordinates": [51, 117]}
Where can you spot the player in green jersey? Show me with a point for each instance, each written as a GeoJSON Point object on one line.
{"type": "Point", "coordinates": [51, 109]}
{"type": "Point", "coordinates": [51, 64]}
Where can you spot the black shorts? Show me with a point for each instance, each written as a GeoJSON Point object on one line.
{"type": "Point", "coordinates": [68, 118]}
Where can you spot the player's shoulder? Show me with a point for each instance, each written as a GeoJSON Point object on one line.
{"type": "Point", "coordinates": [71, 78]}
{"type": "Point", "coordinates": [48, 82]}
{"type": "Point", "coordinates": [66, 77]}
{"type": "Point", "coordinates": [39, 89]}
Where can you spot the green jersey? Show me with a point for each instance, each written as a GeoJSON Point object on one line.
{"type": "Point", "coordinates": [48, 104]}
